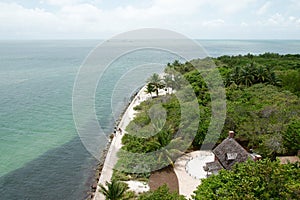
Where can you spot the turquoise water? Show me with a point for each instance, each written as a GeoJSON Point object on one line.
{"type": "Point", "coordinates": [36, 80]}
{"type": "Point", "coordinates": [38, 141]}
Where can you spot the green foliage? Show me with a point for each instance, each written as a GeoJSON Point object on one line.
{"type": "Point", "coordinates": [290, 80]}
{"type": "Point", "coordinates": [149, 89]}
{"type": "Point", "coordinates": [123, 176]}
{"type": "Point", "coordinates": [199, 86]}
{"type": "Point", "coordinates": [178, 67]}
{"type": "Point", "coordinates": [138, 140]}
{"type": "Point", "coordinates": [114, 191]}
{"type": "Point", "coordinates": [174, 72]}
{"type": "Point", "coordinates": [260, 115]}
{"type": "Point", "coordinates": [251, 74]}
{"type": "Point", "coordinates": [259, 109]}
{"type": "Point", "coordinates": [154, 84]}
{"type": "Point", "coordinates": [252, 180]}
{"type": "Point", "coordinates": [279, 62]}
{"type": "Point", "coordinates": [291, 137]}
{"type": "Point", "coordinates": [271, 145]}
{"type": "Point", "coordinates": [162, 193]}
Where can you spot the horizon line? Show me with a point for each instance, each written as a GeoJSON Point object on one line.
{"type": "Point", "coordinates": [102, 39]}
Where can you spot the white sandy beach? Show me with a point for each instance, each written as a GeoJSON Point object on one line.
{"type": "Point", "coordinates": [111, 157]}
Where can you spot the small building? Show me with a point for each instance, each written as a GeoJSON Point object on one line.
{"type": "Point", "coordinates": [227, 154]}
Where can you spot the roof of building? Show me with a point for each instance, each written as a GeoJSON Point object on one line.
{"type": "Point", "coordinates": [214, 166]}
{"type": "Point", "coordinates": [229, 152]}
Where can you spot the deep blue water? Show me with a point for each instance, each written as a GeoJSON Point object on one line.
{"type": "Point", "coordinates": [41, 154]}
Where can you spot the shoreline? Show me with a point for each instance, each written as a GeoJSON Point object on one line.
{"type": "Point", "coordinates": [98, 170]}
{"type": "Point", "coordinates": [100, 164]}
{"type": "Point", "coordinates": [104, 168]}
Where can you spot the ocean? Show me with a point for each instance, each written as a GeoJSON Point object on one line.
{"type": "Point", "coordinates": [41, 154]}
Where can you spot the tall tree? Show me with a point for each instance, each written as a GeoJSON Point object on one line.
{"type": "Point", "coordinates": [169, 82]}
{"type": "Point", "coordinates": [261, 74]}
{"type": "Point", "coordinates": [247, 75]}
{"type": "Point", "coordinates": [156, 83]}
{"type": "Point", "coordinates": [149, 89]}
{"type": "Point", "coordinates": [172, 153]}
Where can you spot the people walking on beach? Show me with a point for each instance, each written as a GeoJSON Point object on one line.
{"type": "Point", "coordinates": [115, 131]}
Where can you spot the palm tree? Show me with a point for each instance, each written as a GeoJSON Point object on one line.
{"type": "Point", "coordinates": [247, 75]}
{"type": "Point", "coordinates": [261, 74]}
{"type": "Point", "coordinates": [247, 78]}
{"type": "Point", "coordinates": [168, 82]}
{"type": "Point", "coordinates": [176, 63]}
{"type": "Point", "coordinates": [149, 89]}
{"type": "Point", "coordinates": [272, 78]}
{"type": "Point", "coordinates": [235, 76]}
{"type": "Point", "coordinates": [172, 152]}
{"type": "Point", "coordinates": [114, 191]}
{"type": "Point", "coordinates": [155, 81]}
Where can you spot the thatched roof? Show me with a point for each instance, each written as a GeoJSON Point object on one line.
{"type": "Point", "coordinates": [214, 167]}
{"type": "Point", "coordinates": [229, 152]}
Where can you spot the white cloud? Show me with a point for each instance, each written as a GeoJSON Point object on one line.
{"type": "Point", "coordinates": [295, 3]}
{"type": "Point", "coordinates": [264, 8]}
{"type": "Point", "coordinates": [294, 20]}
{"type": "Point", "coordinates": [244, 24]}
{"type": "Point", "coordinates": [231, 7]}
{"type": "Point", "coordinates": [17, 20]}
{"type": "Point", "coordinates": [276, 19]}
{"type": "Point", "coordinates": [177, 6]}
{"type": "Point", "coordinates": [214, 23]}
{"type": "Point", "coordinates": [74, 19]}
{"type": "Point", "coordinates": [62, 2]}
{"type": "Point", "coordinates": [280, 21]}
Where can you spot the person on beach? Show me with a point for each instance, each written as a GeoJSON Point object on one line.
{"type": "Point", "coordinates": [120, 130]}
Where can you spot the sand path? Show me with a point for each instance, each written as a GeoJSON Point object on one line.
{"type": "Point", "coordinates": [111, 157]}
{"type": "Point", "coordinates": [189, 170]}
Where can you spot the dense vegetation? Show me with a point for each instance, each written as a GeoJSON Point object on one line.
{"type": "Point", "coordinates": [262, 104]}
{"type": "Point", "coordinates": [263, 108]}
{"type": "Point", "coordinates": [264, 179]}
{"type": "Point", "coordinates": [162, 193]}
{"type": "Point", "coordinates": [117, 190]}
{"type": "Point", "coordinates": [253, 180]}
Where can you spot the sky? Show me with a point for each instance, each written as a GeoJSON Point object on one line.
{"type": "Point", "coordinates": [102, 19]}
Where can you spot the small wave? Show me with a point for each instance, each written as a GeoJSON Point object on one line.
{"type": "Point", "coordinates": [12, 82]}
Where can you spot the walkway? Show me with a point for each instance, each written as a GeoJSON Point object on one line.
{"type": "Point", "coordinates": [189, 170]}
{"type": "Point", "coordinates": [116, 144]}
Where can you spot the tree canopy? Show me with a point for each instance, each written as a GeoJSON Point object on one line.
{"type": "Point", "coordinates": [263, 108]}
{"type": "Point", "coordinates": [263, 179]}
